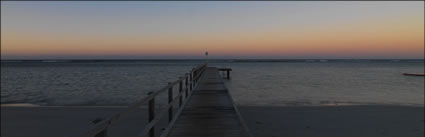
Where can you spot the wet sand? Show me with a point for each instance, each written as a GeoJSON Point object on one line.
{"type": "Point", "coordinates": [65, 121]}
{"type": "Point", "coordinates": [300, 121]}
{"type": "Point", "coordinates": [335, 121]}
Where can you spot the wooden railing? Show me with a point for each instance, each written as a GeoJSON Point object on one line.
{"type": "Point", "coordinates": [190, 81]}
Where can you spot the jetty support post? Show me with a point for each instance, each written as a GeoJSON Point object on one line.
{"type": "Point", "coordinates": [151, 115]}
{"type": "Point", "coordinates": [228, 73]}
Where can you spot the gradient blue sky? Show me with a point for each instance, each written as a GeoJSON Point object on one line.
{"type": "Point", "coordinates": [164, 29]}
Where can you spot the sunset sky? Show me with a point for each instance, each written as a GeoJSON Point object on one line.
{"type": "Point", "coordinates": [235, 29]}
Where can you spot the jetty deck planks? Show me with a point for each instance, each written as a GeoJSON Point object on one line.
{"type": "Point", "coordinates": [209, 112]}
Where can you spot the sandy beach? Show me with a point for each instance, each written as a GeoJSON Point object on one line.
{"type": "Point", "coordinates": [335, 121]}
{"type": "Point", "coordinates": [299, 121]}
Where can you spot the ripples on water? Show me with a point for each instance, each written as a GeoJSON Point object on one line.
{"type": "Point", "coordinates": [327, 83]}
{"type": "Point", "coordinates": [85, 83]}
{"type": "Point", "coordinates": [253, 82]}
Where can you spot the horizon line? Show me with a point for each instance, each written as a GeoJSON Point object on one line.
{"type": "Point", "coordinates": [233, 59]}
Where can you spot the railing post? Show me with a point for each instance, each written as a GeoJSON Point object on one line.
{"type": "Point", "coordinates": [170, 99]}
{"type": "Point", "coordinates": [194, 77]}
{"type": "Point", "coordinates": [195, 74]}
{"type": "Point", "coordinates": [191, 82]}
{"type": "Point", "coordinates": [151, 115]}
{"type": "Point", "coordinates": [186, 83]}
{"type": "Point", "coordinates": [180, 92]}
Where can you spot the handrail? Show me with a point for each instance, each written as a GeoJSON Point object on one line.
{"type": "Point", "coordinates": [190, 79]}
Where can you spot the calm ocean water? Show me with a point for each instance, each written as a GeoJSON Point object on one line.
{"type": "Point", "coordinates": [254, 82]}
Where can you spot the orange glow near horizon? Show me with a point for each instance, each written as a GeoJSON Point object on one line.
{"type": "Point", "coordinates": [403, 36]}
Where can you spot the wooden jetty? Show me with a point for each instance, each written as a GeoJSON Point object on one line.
{"type": "Point", "coordinates": [203, 107]}
{"type": "Point", "coordinates": [210, 112]}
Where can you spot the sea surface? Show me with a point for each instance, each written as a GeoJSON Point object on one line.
{"type": "Point", "coordinates": [253, 82]}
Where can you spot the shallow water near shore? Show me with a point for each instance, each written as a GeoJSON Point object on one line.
{"type": "Point", "coordinates": [253, 82]}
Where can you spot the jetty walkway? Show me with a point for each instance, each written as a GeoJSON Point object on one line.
{"type": "Point", "coordinates": [203, 107]}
